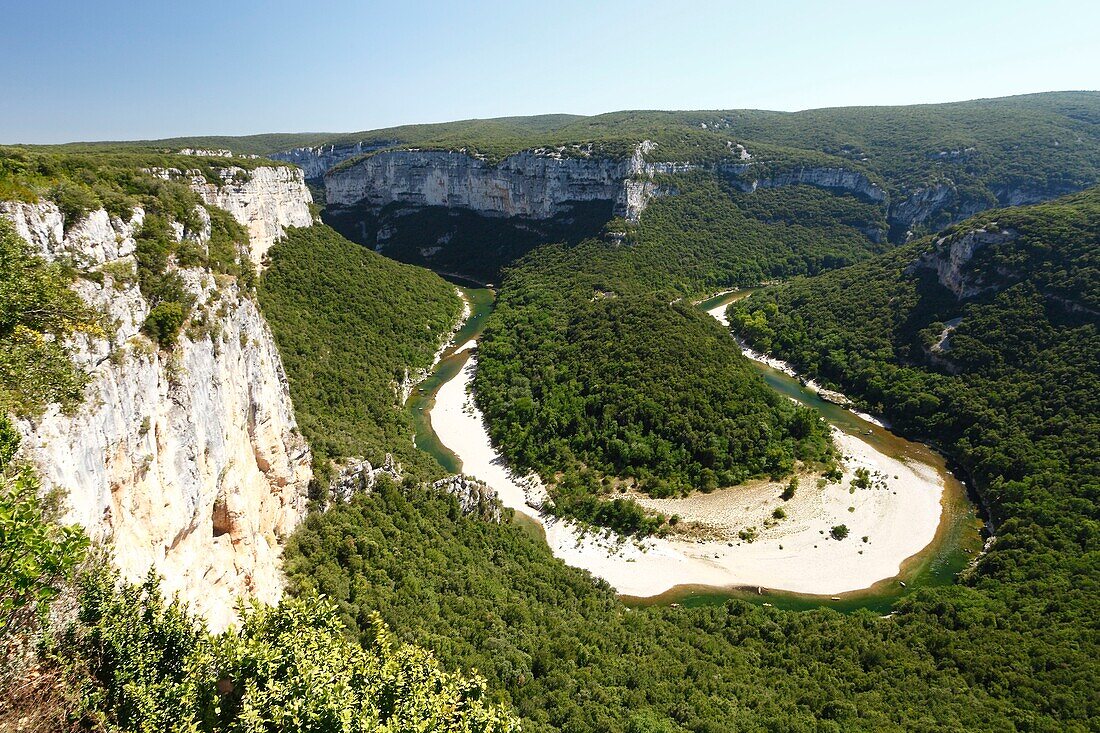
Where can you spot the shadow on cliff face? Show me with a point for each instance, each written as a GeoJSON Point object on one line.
{"type": "Point", "coordinates": [461, 242]}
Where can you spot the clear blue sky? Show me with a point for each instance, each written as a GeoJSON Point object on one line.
{"type": "Point", "coordinates": [101, 69]}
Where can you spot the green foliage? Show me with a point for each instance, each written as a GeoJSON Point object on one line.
{"type": "Point", "coordinates": [143, 664]}
{"type": "Point", "coordinates": [38, 311]}
{"type": "Point", "coordinates": [36, 555]}
{"type": "Point", "coordinates": [568, 656]}
{"type": "Point", "coordinates": [349, 324]}
{"type": "Point", "coordinates": [82, 178]}
{"type": "Point", "coordinates": [1012, 396]}
{"type": "Point", "coordinates": [631, 387]}
{"type": "Point", "coordinates": [586, 370]}
{"type": "Point", "coordinates": [164, 322]}
{"type": "Point", "coordinates": [74, 199]}
{"type": "Point", "coordinates": [839, 532]}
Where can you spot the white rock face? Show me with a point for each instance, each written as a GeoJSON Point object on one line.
{"type": "Point", "coordinates": [316, 161]}
{"type": "Point", "coordinates": [265, 201]}
{"type": "Point", "coordinates": [839, 178]}
{"type": "Point", "coordinates": [527, 184]}
{"type": "Point", "coordinates": [539, 184]}
{"type": "Point", "coordinates": [188, 461]}
{"type": "Point", "coordinates": [950, 260]}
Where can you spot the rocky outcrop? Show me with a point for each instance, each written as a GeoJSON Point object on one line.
{"type": "Point", "coordinates": [475, 498]}
{"type": "Point", "coordinates": [942, 204]}
{"type": "Point", "coordinates": [842, 179]}
{"type": "Point", "coordinates": [531, 184]}
{"type": "Point", "coordinates": [358, 476]}
{"type": "Point", "coordinates": [316, 161]}
{"type": "Point", "coordinates": [265, 200]}
{"type": "Point", "coordinates": [915, 208]}
{"type": "Point", "coordinates": [187, 460]}
{"type": "Point", "coordinates": [542, 183]}
{"type": "Point", "coordinates": [950, 259]}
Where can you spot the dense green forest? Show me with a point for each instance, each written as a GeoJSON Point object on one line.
{"type": "Point", "coordinates": [588, 368]}
{"type": "Point", "coordinates": [350, 326]}
{"type": "Point", "coordinates": [1012, 647]}
{"type": "Point", "coordinates": [603, 387]}
{"type": "Point", "coordinates": [567, 655]}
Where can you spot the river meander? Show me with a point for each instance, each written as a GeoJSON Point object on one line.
{"type": "Point", "coordinates": [956, 541]}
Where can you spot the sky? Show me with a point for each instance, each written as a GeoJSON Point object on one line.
{"type": "Point", "coordinates": [142, 69]}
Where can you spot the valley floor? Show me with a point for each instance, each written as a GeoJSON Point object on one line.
{"type": "Point", "coordinates": [899, 514]}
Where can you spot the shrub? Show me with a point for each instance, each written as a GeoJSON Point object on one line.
{"type": "Point", "coordinates": [164, 322]}
{"type": "Point", "coordinates": [839, 532]}
{"type": "Point", "coordinates": [142, 664]}
{"type": "Point", "coordinates": [788, 492]}
{"type": "Point", "coordinates": [35, 553]}
{"type": "Point", "coordinates": [74, 200]}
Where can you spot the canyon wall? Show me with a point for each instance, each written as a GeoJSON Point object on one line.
{"type": "Point", "coordinates": [538, 184]}
{"type": "Point", "coordinates": [541, 183]}
{"type": "Point", "coordinates": [265, 201]}
{"type": "Point", "coordinates": [316, 160]}
{"type": "Point", "coordinates": [187, 460]}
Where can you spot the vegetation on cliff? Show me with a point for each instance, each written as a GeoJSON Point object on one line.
{"type": "Point", "coordinates": [351, 327]}
{"type": "Point", "coordinates": [92, 652]}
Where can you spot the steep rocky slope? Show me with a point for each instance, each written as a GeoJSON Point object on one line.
{"type": "Point", "coordinates": [541, 183]}
{"type": "Point", "coordinates": [265, 201]}
{"type": "Point", "coordinates": [188, 460]}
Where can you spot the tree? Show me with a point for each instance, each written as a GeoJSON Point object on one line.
{"type": "Point", "coordinates": [36, 555]}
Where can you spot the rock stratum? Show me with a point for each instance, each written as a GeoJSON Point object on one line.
{"type": "Point", "coordinates": [542, 182]}
{"type": "Point", "coordinates": [265, 201]}
{"type": "Point", "coordinates": [188, 461]}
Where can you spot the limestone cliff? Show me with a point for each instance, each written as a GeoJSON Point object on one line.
{"type": "Point", "coordinates": [841, 179]}
{"type": "Point", "coordinates": [265, 201]}
{"type": "Point", "coordinates": [541, 183]}
{"type": "Point", "coordinates": [532, 184]}
{"type": "Point", "coordinates": [315, 161]}
{"type": "Point", "coordinates": [187, 460]}
{"type": "Point", "coordinates": [950, 259]}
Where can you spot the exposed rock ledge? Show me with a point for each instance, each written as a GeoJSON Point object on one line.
{"type": "Point", "coordinates": [539, 184]}
{"type": "Point", "coordinates": [265, 200]}
{"type": "Point", "coordinates": [189, 461]}
{"type": "Point", "coordinates": [474, 496]}
{"type": "Point", "coordinates": [950, 259]}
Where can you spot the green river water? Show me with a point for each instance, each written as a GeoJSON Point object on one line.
{"type": "Point", "coordinates": [957, 542]}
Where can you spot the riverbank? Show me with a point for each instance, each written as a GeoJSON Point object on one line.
{"type": "Point", "coordinates": [898, 511]}
{"type": "Point", "coordinates": [837, 398]}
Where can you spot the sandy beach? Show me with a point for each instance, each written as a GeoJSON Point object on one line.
{"type": "Point", "coordinates": [898, 514]}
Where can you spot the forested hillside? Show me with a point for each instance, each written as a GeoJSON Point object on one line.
{"type": "Point", "coordinates": [587, 370]}
{"type": "Point", "coordinates": [352, 327]}
{"type": "Point", "coordinates": [568, 656]}
{"type": "Point", "coordinates": [1010, 648]}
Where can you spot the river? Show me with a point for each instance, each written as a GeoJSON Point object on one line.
{"type": "Point", "coordinates": [934, 560]}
